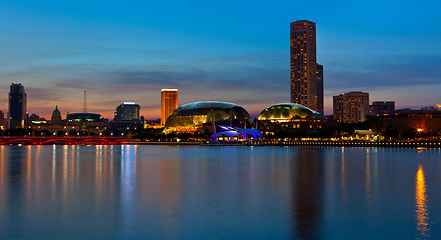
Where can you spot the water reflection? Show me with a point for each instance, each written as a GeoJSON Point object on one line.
{"type": "Point", "coordinates": [162, 192]}
{"type": "Point", "coordinates": [3, 185]}
{"type": "Point", "coordinates": [128, 174]}
{"type": "Point", "coordinates": [307, 196]}
{"type": "Point", "coordinates": [421, 212]}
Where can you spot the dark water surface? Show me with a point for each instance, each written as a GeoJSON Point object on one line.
{"type": "Point", "coordinates": [193, 192]}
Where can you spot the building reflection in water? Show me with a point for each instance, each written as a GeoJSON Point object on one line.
{"type": "Point", "coordinates": [3, 185]}
{"type": "Point", "coordinates": [162, 192]}
{"type": "Point", "coordinates": [307, 201]}
{"type": "Point", "coordinates": [343, 177]}
{"type": "Point", "coordinates": [128, 173]}
{"type": "Point", "coordinates": [421, 212]}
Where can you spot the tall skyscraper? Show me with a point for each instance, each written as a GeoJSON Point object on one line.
{"type": "Point", "coordinates": [320, 103]}
{"type": "Point", "coordinates": [127, 111]}
{"type": "Point", "coordinates": [305, 86]}
{"type": "Point", "coordinates": [351, 107]}
{"type": "Point", "coordinates": [169, 102]}
{"type": "Point", "coordinates": [17, 106]}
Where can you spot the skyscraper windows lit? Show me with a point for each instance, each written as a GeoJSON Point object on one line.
{"type": "Point", "coordinates": [169, 102]}
{"type": "Point", "coordinates": [17, 106]}
{"type": "Point", "coordinates": [306, 74]}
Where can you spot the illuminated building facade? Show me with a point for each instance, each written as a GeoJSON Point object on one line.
{"type": "Point", "coordinates": [127, 111]}
{"type": "Point", "coordinates": [192, 116]}
{"type": "Point", "coordinates": [75, 124]}
{"type": "Point", "coordinates": [290, 115]}
{"type": "Point", "coordinates": [351, 107]}
{"type": "Point", "coordinates": [305, 85]}
{"type": "Point", "coordinates": [285, 112]}
{"type": "Point", "coordinates": [169, 102]}
{"type": "Point", "coordinates": [17, 106]}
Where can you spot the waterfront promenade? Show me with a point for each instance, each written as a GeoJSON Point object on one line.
{"type": "Point", "coordinates": [127, 141]}
{"type": "Point", "coordinates": [302, 144]}
{"type": "Point", "coordinates": [62, 140]}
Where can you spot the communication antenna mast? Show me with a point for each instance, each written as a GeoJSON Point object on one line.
{"type": "Point", "coordinates": [67, 111]}
{"type": "Point", "coordinates": [85, 103]}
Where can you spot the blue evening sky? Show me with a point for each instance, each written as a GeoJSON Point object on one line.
{"type": "Point", "coordinates": [234, 51]}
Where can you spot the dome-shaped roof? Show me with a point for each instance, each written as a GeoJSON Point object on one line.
{"type": "Point", "coordinates": [56, 112]}
{"type": "Point", "coordinates": [198, 113]}
{"type": "Point", "coordinates": [286, 111]}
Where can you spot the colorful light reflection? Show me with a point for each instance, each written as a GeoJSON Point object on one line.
{"type": "Point", "coordinates": [421, 212]}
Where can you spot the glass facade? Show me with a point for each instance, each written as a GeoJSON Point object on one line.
{"type": "Point", "coordinates": [287, 111]}
{"type": "Point", "coordinates": [17, 106]}
{"type": "Point", "coordinates": [127, 111]}
{"type": "Point", "coordinates": [83, 117]}
{"type": "Point", "coordinates": [198, 113]}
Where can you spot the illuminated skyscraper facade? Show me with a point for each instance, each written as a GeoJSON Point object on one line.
{"type": "Point", "coordinates": [17, 106]}
{"type": "Point", "coordinates": [305, 86]}
{"type": "Point", "coordinates": [127, 111]}
{"type": "Point", "coordinates": [351, 107]}
{"type": "Point", "coordinates": [169, 102]}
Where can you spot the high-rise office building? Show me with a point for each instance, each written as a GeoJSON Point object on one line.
{"type": "Point", "coordinates": [305, 85]}
{"type": "Point", "coordinates": [17, 106]}
{"type": "Point", "coordinates": [169, 102]}
{"type": "Point", "coordinates": [351, 107]}
{"type": "Point", "coordinates": [127, 111]}
{"type": "Point", "coordinates": [320, 103]}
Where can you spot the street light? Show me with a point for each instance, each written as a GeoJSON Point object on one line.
{"type": "Point", "coordinates": [419, 131]}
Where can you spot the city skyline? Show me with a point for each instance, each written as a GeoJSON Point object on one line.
{"type": "Point", "coordinates": [212, 52]}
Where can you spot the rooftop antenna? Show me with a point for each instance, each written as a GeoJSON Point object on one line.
{"type": "Point", "coordinates": [85, 103]}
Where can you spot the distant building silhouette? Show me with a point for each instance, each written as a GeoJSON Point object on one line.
{"type": "Point", "coordinates": [306, 74]}
{"type": "Point", "coordinates": [127, 111]}
{"type": "Point", "coordinates": [169, 102]}
{"type": "Point", "coordinates": [17, 106]}
{"type": "Point", "coordinates": [382, 106]}
{"type": "Point", "coordinates": [2, 121]}
{"type": "Point", "coordinates": [56, 116]}
{"type": "Point", "coordinates": [351, 107]}
{"type": "Point", "coordinates": [75, 124]}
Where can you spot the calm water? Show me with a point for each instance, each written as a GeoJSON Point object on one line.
{"type": "Point", "coordinates": [168, 192]}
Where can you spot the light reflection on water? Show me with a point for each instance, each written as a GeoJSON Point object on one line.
{"type": "Point", "coordinates": [422, 213]}
{"type": "Point", "coordinates": [163, 192]}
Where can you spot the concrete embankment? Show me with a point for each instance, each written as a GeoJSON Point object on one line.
{"type": "Point", "coordinates": [333, 144]}
{"type": "Point", "coordinates": [301, 144]}
{"type": "Point", "coordinates": [160, 143]}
